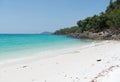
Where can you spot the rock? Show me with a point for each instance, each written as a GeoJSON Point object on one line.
{"type": "Point", "coordinates": [78, 35]}
{"type": "Point", "coordinates": [99, 60]}
{"type": "Point", "coordinates": [103, 35]}
{"type": "Point", "coordinates": [115, 37]}
{"type": "Point", "coordinates": [93, 35]}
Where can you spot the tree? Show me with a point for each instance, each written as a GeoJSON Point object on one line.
{"type": "Point", "coordinates": [118, 2]}
{"type": "Point", "coordinates": [97, 23]}
{"type": "Point", "coordinates": [110, 2]}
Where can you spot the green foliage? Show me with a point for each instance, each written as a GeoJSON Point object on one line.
{"type": "Point", "coordinates": [113, 14]}
{"type": "Point", "coordinates": [64, 31]}
{"type": "Point", "coordinates": [97, 23]}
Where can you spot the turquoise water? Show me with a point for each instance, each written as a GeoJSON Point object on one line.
{"type": "Point", "coordinates": [19, 45]}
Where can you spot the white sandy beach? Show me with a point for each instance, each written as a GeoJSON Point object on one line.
{"type": "Point", "coordinates": [97, 63]}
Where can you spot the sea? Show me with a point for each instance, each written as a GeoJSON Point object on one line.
{"type": "Point", "coordinates": [25, 45]}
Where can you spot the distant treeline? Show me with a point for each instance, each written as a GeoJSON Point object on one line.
{"type": "Point", "coordinates": [110, 19]}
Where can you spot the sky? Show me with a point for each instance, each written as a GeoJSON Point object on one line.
{"type": "Point", "coordinates": [36, 16]}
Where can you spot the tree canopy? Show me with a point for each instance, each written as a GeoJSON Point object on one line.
{"type": "Point", "coordinates": [110, 19]}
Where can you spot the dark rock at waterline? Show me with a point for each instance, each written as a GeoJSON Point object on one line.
{"type": "Point", "coordinates": [78, 35]}
{"type": "Point", "coordinates": [106, 35]}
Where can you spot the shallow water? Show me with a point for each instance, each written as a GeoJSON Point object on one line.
{"type": "Point", "coordinates": [19, 45]}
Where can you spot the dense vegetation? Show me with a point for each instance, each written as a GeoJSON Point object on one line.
{"type": "Point", "coordinates": [108, 20]}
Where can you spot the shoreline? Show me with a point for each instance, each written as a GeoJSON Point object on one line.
{"type": "Point", "coordinates": [17, 53]}
{"type": "Point", "coordinates": [75, 65]}
{"type": "Point", "coordinates": [57, 52]}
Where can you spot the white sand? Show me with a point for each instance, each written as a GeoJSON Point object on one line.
{"type": "Point", "coordinates": [73, 65]}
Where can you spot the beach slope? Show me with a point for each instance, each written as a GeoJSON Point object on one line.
{"type": "Point", "coordinates": [97, 63]}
